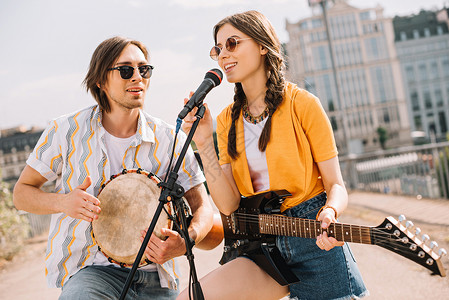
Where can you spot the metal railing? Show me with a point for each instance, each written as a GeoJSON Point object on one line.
{"type": "Point", "coordinates": [39, 224]}
{"type": "Point", "coordinates": [421, 171]}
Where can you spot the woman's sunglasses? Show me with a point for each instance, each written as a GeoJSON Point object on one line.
{"type": "Point", "coordinates": [230, 45]}
{"type": "Point", "coordinates": [126, 72]}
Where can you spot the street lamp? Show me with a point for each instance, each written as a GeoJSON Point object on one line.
{"type": "Point", "coordinates": [323, 4]}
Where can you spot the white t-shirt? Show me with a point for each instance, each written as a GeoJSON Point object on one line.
{"type": "Point", "coordinates": [257, 160]}
{"type": "Point", "coordinates": [116, 148]}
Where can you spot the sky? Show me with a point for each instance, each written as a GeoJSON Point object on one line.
{"type": "Point", "coordinates": [46, 47]}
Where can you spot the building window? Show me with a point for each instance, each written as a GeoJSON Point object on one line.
{"type": "Point", "coordinates": [442, 120]}
{"type": "Point", "coordinates": [434, 70]}
{"type": "Point", "coordinates": [334, 123]}
{"type": "Point", "coordinates": [415, 34]}
{"type": "Point", "coordinates": [427, 99]}
{"type": "Point", "coordinates": [439, 30]}
{"type": "Point", "coordinates": [386, 116]}
{"type": "Point", "coordinates": [423, 72]}
{"type": "Point", "coordinates": [322, 58]}
{"type": "Point", "coordinates": [409, 72]}
{"type": "Point", "coordinates": [438, 98]}
{"type": "Point", "coordinates": [415, 101]}
{"type": "Point", "coordinates": [418, 123]}
{"type": "Point", "coordinates": [445, 67]}
{"type": "Point", "coordinates": [316, 23]}
{"type": "Point", "coordinates": [368, 15]}
{"type": "Point", "coordinates": [426, 32]}
{"type": "Point", "coordinates": [403, 36]}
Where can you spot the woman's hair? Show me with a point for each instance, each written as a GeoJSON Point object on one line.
{"type": "Point", "coordinates": [103, 58]}
{"type": "Point", "coordinates": [256, 25]}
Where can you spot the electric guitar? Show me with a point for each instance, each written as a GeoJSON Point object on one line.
{"type": "Point", "coordinates": [252, 228]}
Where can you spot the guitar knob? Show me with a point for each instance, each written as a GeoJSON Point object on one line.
{"type": "Point", "coordinates": [442, 252]}
{"type": "Point", "coordinates": [226, 249]}
{"type": "Point", "coordinates": [433, 245]}
{"type": "Point", "coordinates": [425, 237]}
{"type": "Point", "coordinates": [409, 224]}
{"type": "Point", "coordinates": [402, 218]}
{"type": "Point", "coordinates": [417, 231]}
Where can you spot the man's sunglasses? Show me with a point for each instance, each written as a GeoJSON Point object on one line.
{"type": "Point", "coordinates": [231, 44]}
{"type": "Point", "coordinates": [126, 72]}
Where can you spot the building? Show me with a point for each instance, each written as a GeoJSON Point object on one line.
{"type": "Point", "coordinates": [370, 92]}
{"type": "Point", "coordinates": [16, 144]}
{"type": "Point", "coordinates": [422, 43]}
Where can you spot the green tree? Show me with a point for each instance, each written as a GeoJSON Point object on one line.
{"type": "Point", "coordinates": [14, 228]}
{"type": "Point", "coordinates": [383, 136]}
{"type": "Point", "coordinates": [443, 174]}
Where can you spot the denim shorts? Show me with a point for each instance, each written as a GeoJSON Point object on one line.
{"type": "Point", "coordinates": [107, 282]}
{"type": "Point", "coordinates": [323, 274]}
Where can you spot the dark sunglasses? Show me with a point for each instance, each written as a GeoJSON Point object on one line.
{"type": "Point", "coordinates": [230, 45]}
{"type": "Point", "coordinates": [126, 72]}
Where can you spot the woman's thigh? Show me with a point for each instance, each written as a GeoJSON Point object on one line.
{"type": "Point", "coordinates": [240, 278]}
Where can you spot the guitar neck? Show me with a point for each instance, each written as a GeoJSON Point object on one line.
{"type": "Point", "coordinates": [290, 226]}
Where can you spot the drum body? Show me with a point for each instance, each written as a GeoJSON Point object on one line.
{"type": "Point", "coordinates": [128, 202]}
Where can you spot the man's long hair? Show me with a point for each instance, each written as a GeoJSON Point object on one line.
{"type": "Point", "coordinates": [103, 58]}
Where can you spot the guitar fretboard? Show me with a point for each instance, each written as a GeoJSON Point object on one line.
{"type": "Point", "coordinates": [289, 226]}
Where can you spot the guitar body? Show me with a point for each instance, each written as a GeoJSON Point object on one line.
{"type": "Point", "coordinates": [242, 236]}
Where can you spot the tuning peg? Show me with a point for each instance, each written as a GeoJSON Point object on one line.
{"type": "Point", "coordinates": [433, 245]}
{"type": "Point", "coordinates": [442, 252]}
{"type": "Point", "coordinates": [409, 224]}
{"type": "Point", "coordinates": [425, 237]}
{"type": "Point", "coordinates": [402, 218]}
{"type": "Point", "coordinates": [417, 231]}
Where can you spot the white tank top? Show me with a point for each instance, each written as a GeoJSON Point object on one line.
{"type": "Point", "coordinates": [257, 160]}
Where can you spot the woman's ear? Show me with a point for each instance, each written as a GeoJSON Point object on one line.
{"type": "Point", "coordinates": [263, 50]}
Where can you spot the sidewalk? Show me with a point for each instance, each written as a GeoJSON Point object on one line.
{"type": "Point", "coordinates": [430, 211]}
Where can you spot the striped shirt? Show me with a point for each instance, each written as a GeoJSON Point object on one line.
{"type": "Point", "coordinates": [73, 147]}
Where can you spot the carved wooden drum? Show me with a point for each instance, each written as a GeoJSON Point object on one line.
{"type": "Point", "coordinates": [128, 203]}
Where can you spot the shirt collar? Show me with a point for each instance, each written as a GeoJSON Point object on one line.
{"type": "Point", "coordinates": [144, 130]}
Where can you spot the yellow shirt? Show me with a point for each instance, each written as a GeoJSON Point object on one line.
{"type": "Point", "coordinates": [301, 136]}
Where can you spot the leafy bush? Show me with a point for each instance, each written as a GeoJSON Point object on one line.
{"type": "Point", "coordinates": [14, 228]}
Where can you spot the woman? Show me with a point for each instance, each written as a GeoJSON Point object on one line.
{"type": "Point", "coordinates": [273, 136]}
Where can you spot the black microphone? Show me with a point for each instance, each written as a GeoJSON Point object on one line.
{"type": "Point", "coordinates": [212, 79]}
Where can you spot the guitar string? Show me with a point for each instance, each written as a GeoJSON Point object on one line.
{"type": "Point", "coordinates": [382, 238]}
{"type": "Point", "coordinates": [377, 233]}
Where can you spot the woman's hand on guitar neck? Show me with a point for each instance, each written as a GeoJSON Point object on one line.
{"type": "Point", "coordinates": [323, 241]}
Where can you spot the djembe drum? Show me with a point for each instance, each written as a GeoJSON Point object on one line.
{"type": "Point", "coordinates": [128, 202]}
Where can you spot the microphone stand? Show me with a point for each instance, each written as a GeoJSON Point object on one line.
{"type": "Point", "coordinates": [171, 191]}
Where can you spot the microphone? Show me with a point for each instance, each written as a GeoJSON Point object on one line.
{"type": "Point", "coordinates": [211, 79]}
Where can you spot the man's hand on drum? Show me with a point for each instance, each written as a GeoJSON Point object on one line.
{"type": "Point", "coordinates": [160, 251]}
{"type": "Point", "coordinates": [79, 204]}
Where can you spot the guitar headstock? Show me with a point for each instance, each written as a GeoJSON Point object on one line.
{"type": "Point", "coordinates": [396, 237]}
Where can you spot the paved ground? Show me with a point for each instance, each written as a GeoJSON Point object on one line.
{"type": "Point", "coordinates": [434, 212]}
{"type": "Point", "coordinates": [387, 275]}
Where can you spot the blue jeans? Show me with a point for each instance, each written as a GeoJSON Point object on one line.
{"type": "Point", "coordinates": [107, 282]}
{"type": "Point", "coordinates": [323, 274]}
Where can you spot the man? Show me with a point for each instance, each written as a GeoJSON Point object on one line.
{"type": "Point", "coordinates": [81, 151]}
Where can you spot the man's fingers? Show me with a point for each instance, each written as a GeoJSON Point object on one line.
{"type": "Point", "coordinates": [169, 233]}
{"type": "Point", "coordinates": [93, 208]}
{"type": "Point", "coordinates": [86, 183]}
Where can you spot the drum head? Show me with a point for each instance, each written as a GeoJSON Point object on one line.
{"type": "Point", "coordinates": [128, 204]}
